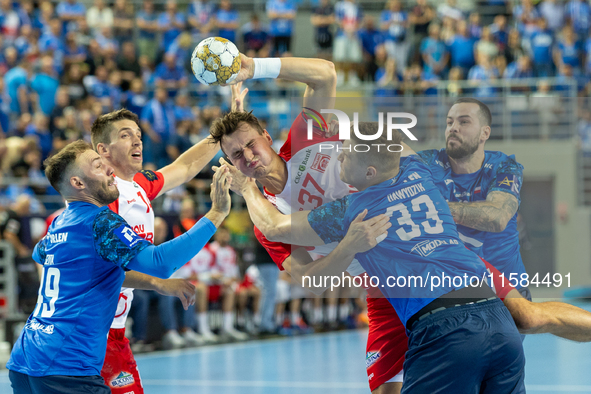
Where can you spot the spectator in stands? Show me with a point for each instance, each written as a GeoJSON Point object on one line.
{"type": "Point", "coordinates": [106, 40]}
{"type": "Point", "coordinates": [11, 229]}
{"type": "Point", "coordinates": [51, 39]}
{"type": "Point", "coordinates": [16, 85]}
{"type": "Point", "coordinates": [394, 23]}
{"type": "Point", "coordinates": [73, 82]}
{"type": "Point", "coordinates": [26, 12]}
{"type": "Point", "coordinates": [168, 75]}
{"type": "Point", "coordinates": [115, 92]}
{"type": "Point", "coordinates": [99, 16]}
{"type": "Point", "coordinates": [157, 121]}
{"type": "Point", "coordinates": [481, 73]}
{"type": "Point", "coordinates": [371, 38]}
{"type": "Point", "coordinates": [226, 21]}
{"type": "Point", "coordinates": [553, 12]}
{"type": "Point", "coordinates": [44, 86]}
{"type": "Point", "coordinates": [43, 16]}
{"type": "Point", "coordinates": [73, 51]}
{"type": "Point", "coordinates": [256, 38]}
{"type": "Point", "coordinates": [500, 32]}
{"type": "Point", "coordinates": [347, 52]}
{"type": "Point", "coordinates": [147, 23]}
{"type": "Point", "coordinates": [519, 69]}
{"type": "Point", "coordinates": [419, 18]}
{"type": "Point", "coordinates": [584, 131]}
{"type": "Point", "coordinates": [526, 16]}
{"type": "Point", "coordinates": [281, 14]}
{"type": "Point", "coordinates": [170, 24]}
{"type": "Point", "coordinates": [39, 130]}
{"type": "Point", "coordinates": [226, 274]}
{"type": "Point", "coordinates": [462, 48]}
{"type": "Point", "coordinates": [4, 112]}
{"type": "Point", "coordinates": [448, 30]}
{"type": "Point", "coordinates": [200, 18]}
{"type": "Point", "coordinates": [454, 89]}
{"type": "Point", "coordinates": [70, 13]}
{"type": "Point", "coordinates": [434, 52]}
{"type": "Point", "coordinates": [322, 19]}
{"type": "Point", "coordinates": [84, 36]}
{"type": "Point", "coordinates": [9, 21]}
{"type": "Point", "coordinates": [450, 10]}
{"type": "Point", "coordinates": [514, 49]}
{"type": "Point", "coordinates": [474, 27]}
{"type": "Point", "coordinates": [62, 100]}
{"type": "Point", "coordinates": [136, 97]}
{"type": "Point", "coordinates": [578, 14]}
{"type": "Point", "coordinates": [387, 79]}
{"type": "Point", "coordinates": [123, 21]}
{"type": "Point", "coordinates": [541, 44]}
{"type": "Point", "coordinates": [588, 56]}
{"type": "Point", "coordinates": [10, 59]}
{"type": "Point", "coordinates": [568, 51]}
{"type": "Point", "coordinates": [249, 290]}
{"type": "Point", "coordinates": [26, 42]}
{"type": "Point", "coordinates": [182, 50]}
{"type": "Point", "coordinates": [486, 45]}
{"type": "Point", "coordinates": [128, 63]}
{"type": "Point", "coordinates": [99, 85]}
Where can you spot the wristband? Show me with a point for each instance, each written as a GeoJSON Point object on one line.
{"type": "Point", "coordinates": [266, 68]}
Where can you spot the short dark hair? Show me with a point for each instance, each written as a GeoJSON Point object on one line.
{"type": "Point", "coordinates": [103, 125]}
{"type": "Point", "coordinates": [230, 122]}
{"type": "Point", "coordinates": [378, 155]}
{"type": "Point", "coordinates": [59, 165]}
{"type": "Point", "coordinates": [484, 112]}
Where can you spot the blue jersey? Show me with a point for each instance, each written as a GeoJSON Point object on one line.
{"type": "Point", "coordinates": [499, 172]}
{"type": "Point", "coordinates": [422, 243]}
{"type": "Point", "coordinates": [83, 255]}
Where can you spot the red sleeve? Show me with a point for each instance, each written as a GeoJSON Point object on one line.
{"type": "Point", "coordinates": [277, 250]}
{"type": "Point", "coordinates": [299, 129]}
{"type": "Point", "coordinates": [152, 182]}
{"type": "Point", "coordinates": [501, 285]}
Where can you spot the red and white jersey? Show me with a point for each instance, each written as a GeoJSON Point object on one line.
{"type": "Point", "coordinates": [225, 260]}
{"type": "Point", "coordinates": [134, 206]}
{"type": "Point", "coordinates": [200, 265]}
{"type": "Point", "coordinates": [313, 179]}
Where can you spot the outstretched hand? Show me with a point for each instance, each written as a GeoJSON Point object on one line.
{"type": "Point", "coordinates": [246, 70]}
{"type": "Point", "coordinates": [220, 191]}
{"type": "Point", "coordinates": [238, 97]}
{"type": "Point", "coordinates": [365, 235]}
{"type": "Point", "coordinates": [239, 181]}
{"type": "Point", "coordinates": [181, 288]}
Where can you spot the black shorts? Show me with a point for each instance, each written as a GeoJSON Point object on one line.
{"type": "Point", "coordinates": [56, 384]}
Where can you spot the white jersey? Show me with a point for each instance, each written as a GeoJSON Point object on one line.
{"type": "Point", "coordinates": [134, 206]}
{"type": "Point", "coordinates": [313, 179]}
{"type": "Point", "coordinates": [225, 260]}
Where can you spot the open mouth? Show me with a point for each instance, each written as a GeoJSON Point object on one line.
{"type": "Point", "coordinates": [136, 155]}
{"type": "Point", "coordinates": [253, 164]}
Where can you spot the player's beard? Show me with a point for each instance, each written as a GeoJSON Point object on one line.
{"type": "Point", "coordinates": [101, 192]}
{"type": "Point", "coordinates": [464, 150]}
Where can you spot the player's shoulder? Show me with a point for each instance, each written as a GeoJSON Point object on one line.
{"type": "Point", "coordinates": [431, 157]}
{"type": "Point", "coordinates": [146, 175]}
{"type": "Point", "coordinates": [499, 161]}
{"type": "Point", "coordinates": [105, 220]}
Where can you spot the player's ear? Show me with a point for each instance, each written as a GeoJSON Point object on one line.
{"type": "Point", "coordinates": [102, 149]}
{"type": "Point", "coordinates": [371, 172]}
{"type": "Point", "coordinates": [268, 136]}
{"type": "Point", "coordinates": [484, 133]}
{"type": "Point", "coordinates": [77, 183]}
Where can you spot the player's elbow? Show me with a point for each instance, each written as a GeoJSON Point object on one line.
{"type": "Point", "coordinates": [329, 72]}
{"type": "Point", "coordinates": [528, 317]}
{"type": "Point", "coordinates": [279, 233]}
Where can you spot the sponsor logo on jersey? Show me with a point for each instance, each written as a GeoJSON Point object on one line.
{"type": "Point", "coordinates": [371, 358]}
{"type": "Point", "coordinates": [58, 238]}
{"type": "Point", "coordinates": [509, 182]}
{"type": "Point", "coordinates": [427, 247]}
{"type": "Point", "coordinates": [49, 259]}
{"type": "Point", "coordinates": [122, 380]}
{"type": "Point", "coordinates": [370, 377]}
{"type": "Point", "coordinates": [130, 201]}
{"type": "Point", "coordinates": [127, 235]}
{"type": "Point", "coordinates": [320, 162]}
{"type": "Point", "coordinates": [448, 181]}
{"type": "Point", "coordinates": [488, 166]}
{"type": "Point", "coordinates": [406, 192]}
{"type": "Point", "coordinates": [302, 166]}
{"type": "Point", "coordinates": [34, 325]}
{"type": "Point", "coordinates": [414, 176]}
{"type": "Point", "coordinates": [150, 175]}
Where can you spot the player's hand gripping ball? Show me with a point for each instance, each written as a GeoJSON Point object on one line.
{"type": "Point", "coordinates": [215, 61]}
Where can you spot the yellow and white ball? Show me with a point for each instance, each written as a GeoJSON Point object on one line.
{"type": "Point", "coordinates": [215, 61]}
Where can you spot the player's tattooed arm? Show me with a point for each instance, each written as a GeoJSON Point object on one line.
{"type": "Point", "coordinates": [181, 288]}
{"type": "Point", "coordinates": [490, 215]}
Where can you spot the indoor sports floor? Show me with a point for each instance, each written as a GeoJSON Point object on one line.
{"type": "Point", "coordinates": [327, 364]}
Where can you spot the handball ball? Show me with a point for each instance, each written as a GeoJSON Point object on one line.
{"type": "Point", "coordinates": [215, 61]}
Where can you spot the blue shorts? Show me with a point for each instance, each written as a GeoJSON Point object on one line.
{"type": "Point", "coordinates": [472, 348]}
{"type": "Point", "coordinates": [57, 384]}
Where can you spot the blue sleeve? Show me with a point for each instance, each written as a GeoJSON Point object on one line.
{"type": "Point", "coordinates": [328, 220]}
{"type": "Point", "coordinates": [163, 260]}
{"type": "Point", "coordinates": [114, 240]}
{"type": "Point", "coordinates": [428, 156]}
{"type": "Point", "coordinates": [39, 251]}
{"type": "Point", "coordinates": [146, 113]}
{"type": "Point", "coordinates": [384, 17]}
{"type": "Point", "coordinates": [508, 177]}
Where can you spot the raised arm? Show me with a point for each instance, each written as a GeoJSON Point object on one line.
{"type": "Point", "coordinates": [189, 164]}
{"type": "Point", "coordinates": [490, 215]}
{"type": "Point", "coordinates": [319, 76]}
{"type": "Point", "coordinates": [181, 288]}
